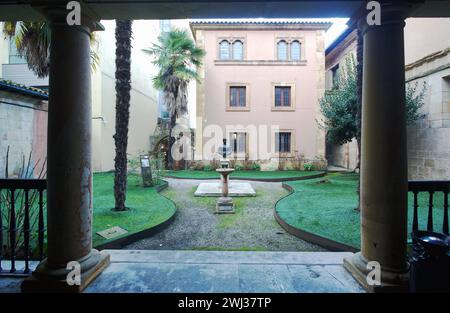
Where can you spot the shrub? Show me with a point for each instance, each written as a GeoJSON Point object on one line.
{"type": "Point", "coordinates": [208, 168]}
{"type": "Point", "coordinates": [272, 166]}
{"type": "Point", "coordinates": [308, 167]}
{"type": "Point", "coordinates": [239, 167]}
{"type": "Point", "coordinates": [256, 167]}
{"type": "Point", "coordinates": [134, 163]}
{"type": "Point", "coordinates": [196, 166]}
{"type": "Point", "coordinates": [157, 165]}
{"type": "Point", "coordinates": [215, 164]}
{"type": "Point", "coordinates": [247, 165]}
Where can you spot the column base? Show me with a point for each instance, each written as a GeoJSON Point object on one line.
{"type": "Point", "coordinates": [391, 280]}
{"type": "Point", "coordinates": [47, 279]}
{"type": "Point", "coordinates": [225, 205]}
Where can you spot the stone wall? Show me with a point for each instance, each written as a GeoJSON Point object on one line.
{"type": "Point", "coordinates": [429, 138]}
{"type": "Point", "coordinates": [23, 127]}
{"type": "Point", "coordinates": [345, 155]}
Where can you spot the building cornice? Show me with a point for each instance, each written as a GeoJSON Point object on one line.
{"type": "Point", "coordinates": [260, 63]}
{"type": "Point", "coordinates": [428, 58]}
{"type": "Point", "coordinates": [260, 26]}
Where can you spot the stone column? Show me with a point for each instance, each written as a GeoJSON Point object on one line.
{"type": "Point", "coordinates": [69, 171]}
{"type": "Point", "coordinates": [384, 182]}
{"type": "Point", "coordinates": [225, 185]}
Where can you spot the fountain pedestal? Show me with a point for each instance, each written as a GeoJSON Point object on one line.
{"type": "Point", "coordinates": [224, 203]}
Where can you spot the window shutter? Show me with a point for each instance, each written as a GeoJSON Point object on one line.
{"type": "Point", "coordinates": [242, 97]}
{"type": "Point", "coordinates": [277, 96]}
{"type": "Point", "coordinates": [277, 142]}
{"type": "Point", "coordinates": [232, 96]}
{"type": "Point", "coordinates": [241, 142]}
{"type": "Point", "coordinates": [287, 96]}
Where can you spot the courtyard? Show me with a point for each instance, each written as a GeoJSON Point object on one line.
{"type": "Point", "coordinates": [324, 206]}
{"type": "Point", "coordinates": [197, 227]}
{"type": "Point", "coordinates": [299, 230]}
{"type": "Point", "coordinates": [248, 251]}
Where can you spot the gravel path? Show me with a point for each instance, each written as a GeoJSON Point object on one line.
{"type": "Point", "coordinates": [196, 227]}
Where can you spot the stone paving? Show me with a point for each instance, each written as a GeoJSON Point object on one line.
{"type": "Point", "coordinates": [157, 269]}
{"type": "Point", "coordinates": [133, 271]}
{"type": "Point", "coordinates": [224, 272]}
{"type": "Point", "coordinates": [196, 227]}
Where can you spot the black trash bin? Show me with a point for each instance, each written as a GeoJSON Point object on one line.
{"type": "Point", "coordinates": [430, 262]}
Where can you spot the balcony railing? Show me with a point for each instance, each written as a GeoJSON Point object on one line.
{"type": "Point", "coordinates": [22, 209]}
{"type": "Point", "coordinates": [432, 188]}
{"type": "Point", "coordinates": [22, 228]}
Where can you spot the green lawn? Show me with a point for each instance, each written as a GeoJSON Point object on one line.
{"type": "Point", "coordinates": [241, 174]}
{"type": "Point", "coordinates": [147, 207]}
{"type": "Point", "coordinates": [327, 209]}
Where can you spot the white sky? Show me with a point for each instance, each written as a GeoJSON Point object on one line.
{"type": "Point", "coordinates": [338, 27]}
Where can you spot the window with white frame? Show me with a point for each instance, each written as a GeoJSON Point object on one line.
{"type": "Point", "coordinates": [289, 49]}
{"type": "Point", "coordinates": [165, 26]}
{"type": "Point", "coordinates": [282, 50]}
{"type": "Point", "coordinates": [224, 50]}
{"type": "Point", "coordinates": [238, 96]}
{"type": "Point", "coordinates": [335, 76]}
{"type": "Point", "coordinates": [231, 49]}
{"type": "Point", "coordinates": [295, 50]}
{"type": "Point", "coordinates": [282, 96]}
{"type": "Point", "coordinates": [238, 142]}
{"type": "Point", "coordinates": [238, 50]}
{"type": "Point", "coordinates": [283, 142]}
{"type": "Point", "coordinates": [14, 55]}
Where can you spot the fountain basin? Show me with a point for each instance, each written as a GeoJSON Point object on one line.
{"type": "Point", "coordinates": [225, 171]}
{"type": "Point", "coordinates": [214, 189]}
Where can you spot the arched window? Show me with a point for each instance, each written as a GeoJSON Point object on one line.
{"type": "Point", "coordinates": [238, 50]}
{"type": "Point", "coordinates": [282, 50]}
{"type": "Point", "coordinates": [295, 50]}
{"type": "Point", "coordinates": [224, 50]}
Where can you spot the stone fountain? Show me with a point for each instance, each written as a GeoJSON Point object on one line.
{"type": "Point", "coordinates": [224, 203]}
{"type": "Point", "coordinates": [225, 189]}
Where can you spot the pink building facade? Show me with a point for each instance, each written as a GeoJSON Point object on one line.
{"type": "Point", "coordinates": [260, 89]}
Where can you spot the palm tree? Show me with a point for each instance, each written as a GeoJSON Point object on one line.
{"type": "Point", "coordinates": [123, 86]}
{"type": "Point", "coordinates": [177, 58]}
{"type": "Point", "coordinates": [32, 40]}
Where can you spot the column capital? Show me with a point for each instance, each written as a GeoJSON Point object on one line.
{"type": "Point", "coordinates": [57, 14]}
{"type": "Point", "coordinates": [392, 12]}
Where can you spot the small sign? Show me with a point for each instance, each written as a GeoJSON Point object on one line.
{"type": "Point", "coordinates": [112, 232]}
{"type": "Point", "coordinates": [146, 171]}
{"type": "Point", "coordinates": [145, 162]}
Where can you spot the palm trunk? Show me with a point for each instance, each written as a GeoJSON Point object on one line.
{"type": "Point", "coordinates": [171, 141]}
{"type": "Point", "coordinates": [123, 86]}
{"type": "Point", "coordinates": [359, 77]}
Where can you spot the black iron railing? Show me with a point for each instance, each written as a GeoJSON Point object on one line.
{"type": "Point", "coordinates": [432, 188]}
{"type": "Point", "coordinates": [22, 228]}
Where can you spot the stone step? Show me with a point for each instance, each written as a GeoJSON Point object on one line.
{"type": "Point", "coordinates": [224, 272]}
{"type": "Point", "coordinates": [227, 257]}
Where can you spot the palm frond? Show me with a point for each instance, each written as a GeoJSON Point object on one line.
{"type": "Point", "coordinates": [32, 40]}
{"type": "Point", "coordinates": [9, 29]}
